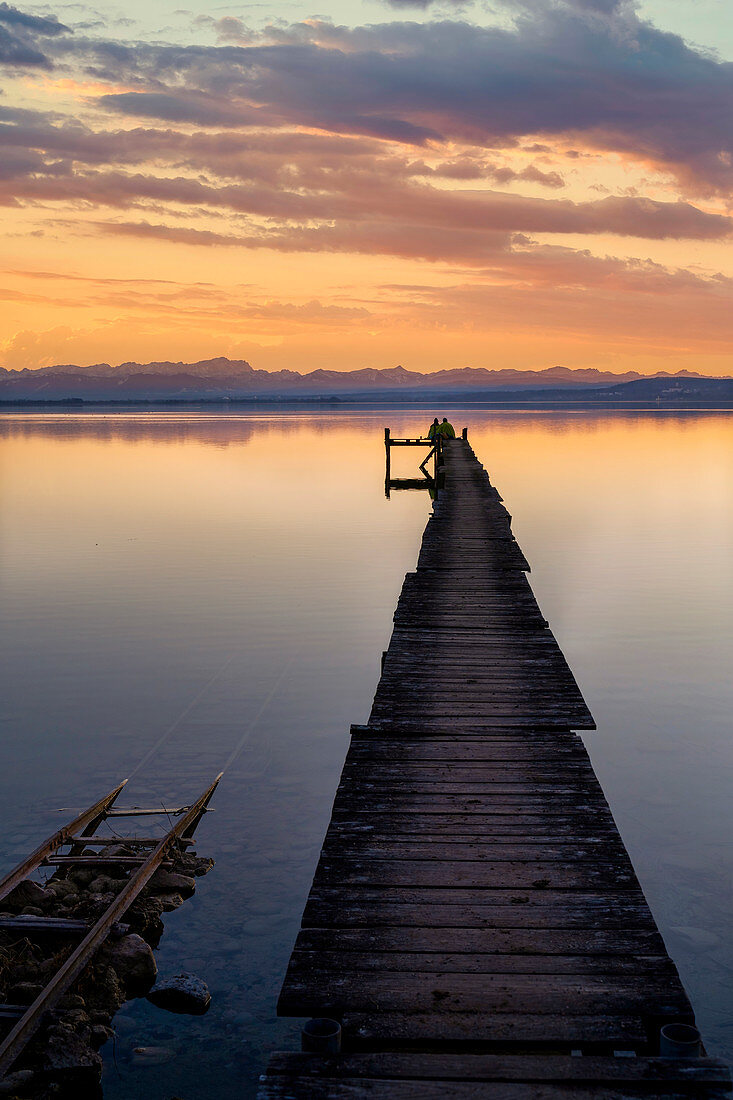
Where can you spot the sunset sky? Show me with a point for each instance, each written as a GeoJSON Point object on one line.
{"type": "Point", "coordinates": [518, 183]}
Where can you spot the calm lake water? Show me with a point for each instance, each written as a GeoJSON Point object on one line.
{"type": "Point", "coordinates": [182, 589]}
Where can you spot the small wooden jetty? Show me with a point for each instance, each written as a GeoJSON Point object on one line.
{"type": "Point", "coordinates": [435, 452]}
{"type": "Point", "coordinates": [475, 924]}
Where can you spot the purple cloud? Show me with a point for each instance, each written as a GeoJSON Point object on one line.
{"type": "Point", "coordinates": [18, 32]}
{"type": "Point", "coordinates": [591, 69]}
{"type": "Point", "coordinates": [585, 69]}
{"type": "Point", "coordinates": [38, 24]}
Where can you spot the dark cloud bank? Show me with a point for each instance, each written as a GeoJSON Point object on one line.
{"type": "Point", "coordinates": [590, 68]}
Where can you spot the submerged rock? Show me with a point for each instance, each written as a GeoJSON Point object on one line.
{"type": "Point", "coordinates": [184, 993]}
{"type": "Point", "coordinates": [699, 938]}
{"type": "Point", "coordinates": [151, 1056]}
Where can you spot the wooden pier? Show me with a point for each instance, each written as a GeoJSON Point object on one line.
{"type": "Point", "coordinates": [475, 923]}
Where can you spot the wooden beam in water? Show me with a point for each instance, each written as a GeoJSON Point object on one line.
{"type": "Point", "coordinates": [62, 836]}
{"type": "Point", "coordinates": [67, 974]}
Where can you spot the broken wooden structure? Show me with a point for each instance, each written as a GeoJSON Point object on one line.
{"type": "Point", "coordinates": [79, 845]}
{"type": "Point", "coordinates": [475, 924]}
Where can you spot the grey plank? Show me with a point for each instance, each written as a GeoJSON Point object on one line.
{"type": "Point", "coordinates": [322, 994]}
{"type": "Point", "coordinates": [492, 1067]}
{"type": "Point", "coordinates": [308, 1088]}
{"type": "Point", "coordinates": [546, 941]}
{"type": "Point", "coordinates": [309, 964]}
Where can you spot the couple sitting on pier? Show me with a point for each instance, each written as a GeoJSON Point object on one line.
{"type": "Point", "coordinates": [445, 429]}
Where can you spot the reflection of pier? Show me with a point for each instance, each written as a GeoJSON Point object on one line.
{"type": "Point", "coordinates": [475, 925]}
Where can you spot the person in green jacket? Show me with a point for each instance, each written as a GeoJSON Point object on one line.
{"type": "Point", "coordinates": [447, 430]}
{"type": "Point", "coordinates": [434, 429]}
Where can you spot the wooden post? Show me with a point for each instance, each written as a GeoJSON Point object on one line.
{"type": "Point", "coordinates": [464, 433]}
{"type": "Point", "coordinates": [387, 466]}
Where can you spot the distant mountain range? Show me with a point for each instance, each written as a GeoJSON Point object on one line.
{"type": "Point", "coordinates": [227, 379]}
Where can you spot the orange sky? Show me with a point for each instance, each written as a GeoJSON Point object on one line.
{"type": "Point", "coordinates": [546, 185]}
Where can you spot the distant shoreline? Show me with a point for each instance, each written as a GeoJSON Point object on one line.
{"type": "Point", "coordinates": [335, 403]}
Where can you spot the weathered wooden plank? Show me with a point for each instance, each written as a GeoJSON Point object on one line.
{"type": "Point", "coordinates": [512, 703]}
{"type": "Point", "coordinates": [444, 826]}
{"type": "Point", "coordinates": [308, 1088]}
{"type": "Point", "coordinates": [402, 726]}
{"type": "Point", "coordinates": [535, 826]}
{"type": "Point", "coordinates": [506, 815]}
{"type": "Point", "coordinates": [477, 685]}
{"type": "Point", "coordinates": [492, 1067]}
{"type": "Point", "coordinates": [462, 850]}
{"type": "Point", "coordinates": [308, 965]}
{"type": "Point", "coordinates": [537, 686]}
{"type": "Point", "coordinates": [523, 751]}
{"type": "Point", "coordinates": [597, 899]}
{"type": "Point", "coordinates": [417, 694]}
{"type": "Point", "coordinates": [488, 798]}
{"type": "Point", "coordinates": [456, 771]}
{"type": "Point", "coordinates": [349, 912]}
{"type": "Point", "coordinates": [492, 753]}
{"type": "Point", "coordinates": [452, 1030]}
{"type": "Point", "coordinates": [98, 861]}
{"type": "Point", "coordinates": [407, 802]}
{"type": "Point", "coordinates": [540, 735]}
{"type": "Point", "coordinates": [497, 697]}
{"type": "Point", "coordinates": [27, 925]}
{"type": "Point", "coordinates": [474, 874]}
{"type": "Point", "coordinates": [321, 994]}
{"type": "Point", "coordinates": [487, 785]}
{"type": "Point", "coordinates": [511, 941]}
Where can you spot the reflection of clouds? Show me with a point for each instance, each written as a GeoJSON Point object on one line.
{"type": "Point", "coordinates": [228, 430]}
{"type": "Point", "coordinates": [572, 421]}
{"type": "Point", "coordinates": [224, 431]}
{"type": "Point", "coordinates": [217, 429]}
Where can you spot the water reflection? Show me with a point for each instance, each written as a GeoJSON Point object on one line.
{"type": "Point", "coordinates": [204, 585]}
